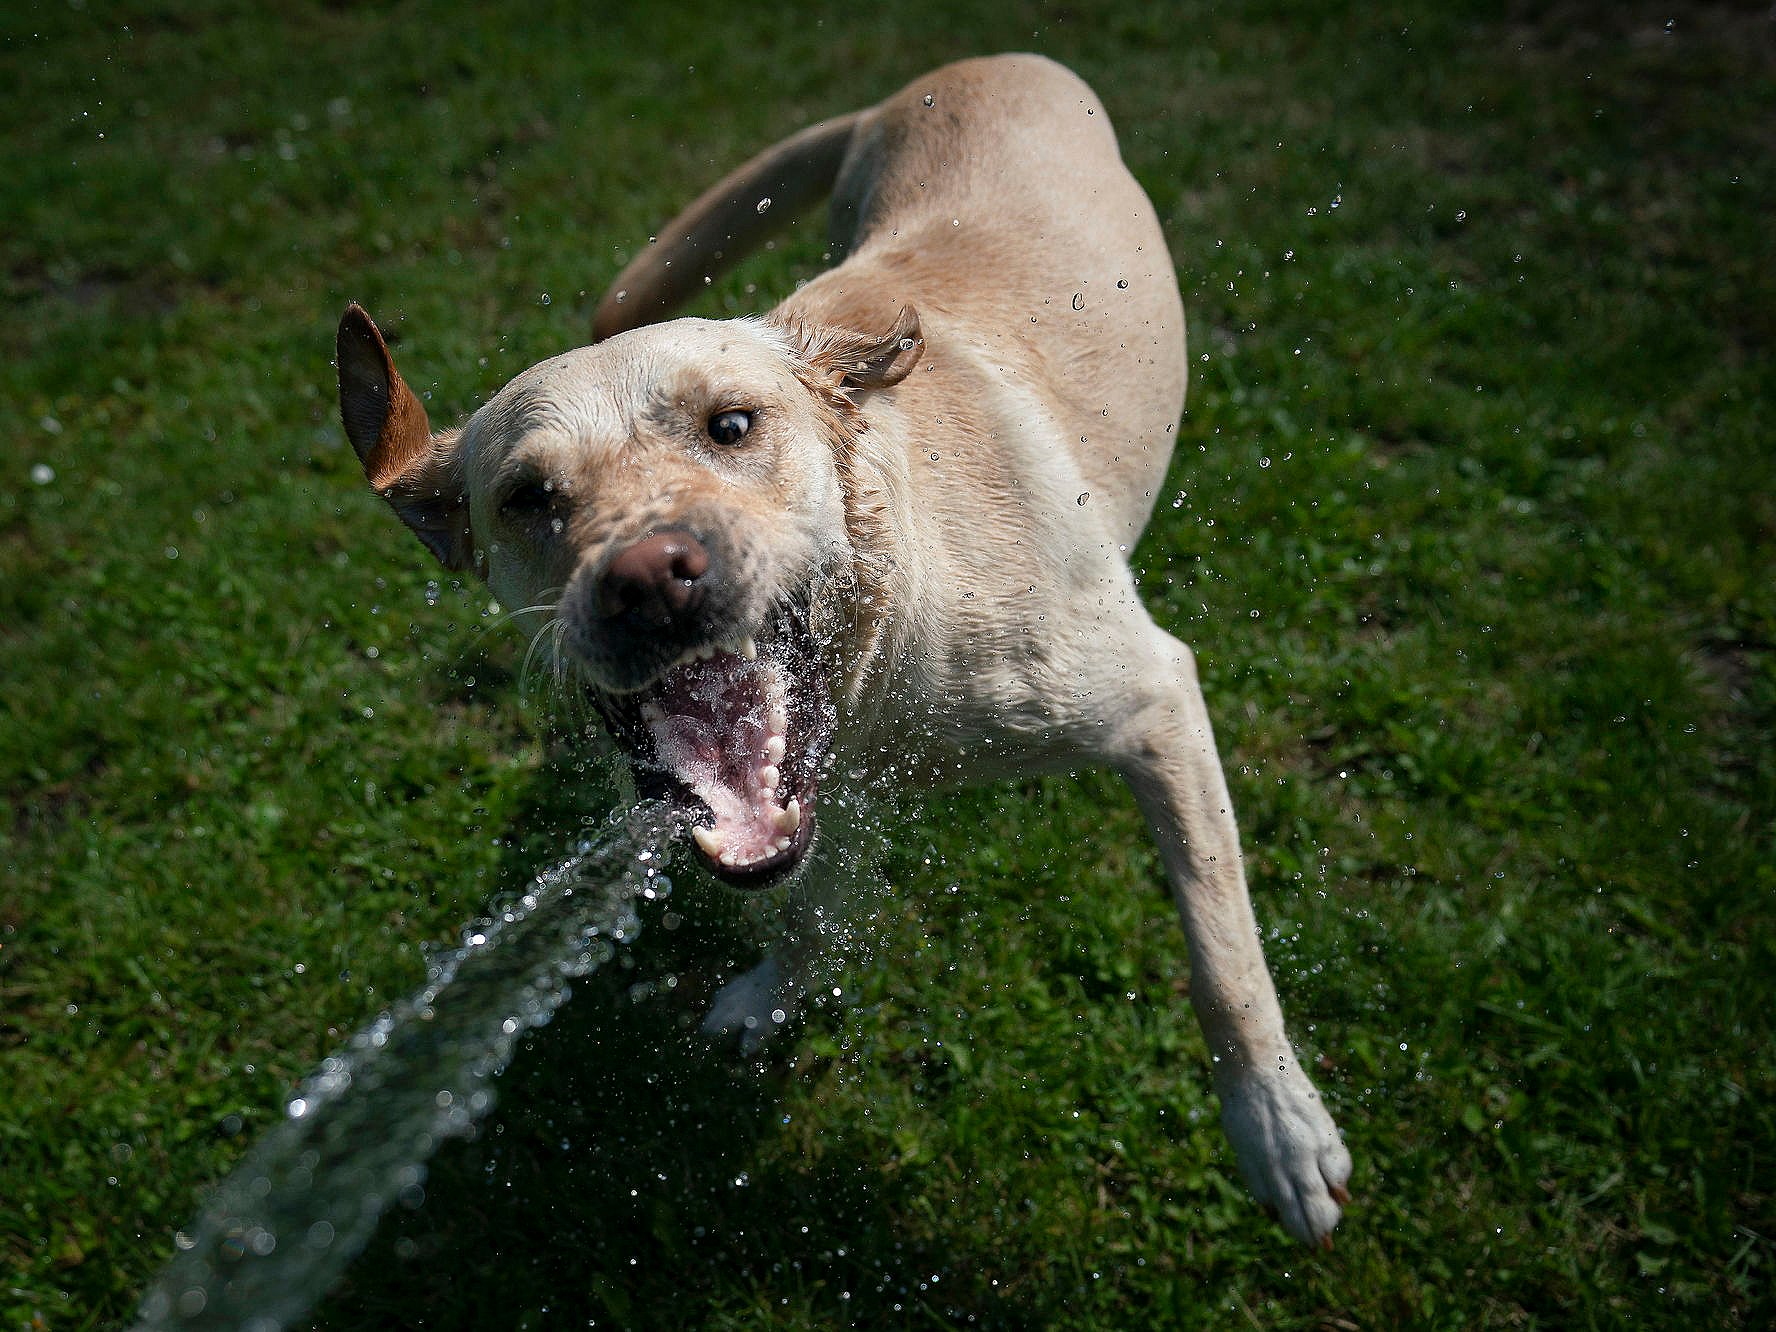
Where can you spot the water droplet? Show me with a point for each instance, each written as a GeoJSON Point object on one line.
{"type": "Point", "coordinates": [1084, 495]}
{"type": "Point", "coordinates": [929, 99]}
{"type": "Point", "coordinates": [1122, 283]}
{"type": "Point", "coordinates": [1079, 300]}
{"type": "Point", "coordinates": [764, 203]}
{"type": "Point", "coordinates": [42, 474]}
{"type": "Point", "coordinates": [543, 299]}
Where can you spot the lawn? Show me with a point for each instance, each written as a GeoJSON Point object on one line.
{"type": "Point", "coordinates": [1471, 523]}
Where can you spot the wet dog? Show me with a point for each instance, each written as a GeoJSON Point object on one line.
{"type": "Point", "coordinates": [883, 527]}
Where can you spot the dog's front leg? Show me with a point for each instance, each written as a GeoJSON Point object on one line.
{"type": "Point", "coordinates": [1287, 1145]}
{"type": "Point", "coordinates": [825, 899]}
{"type": "Point", "coordinates": [755, 1006]}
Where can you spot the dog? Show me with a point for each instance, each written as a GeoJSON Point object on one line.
{"type": "Point", "coordinates": [883, 527]}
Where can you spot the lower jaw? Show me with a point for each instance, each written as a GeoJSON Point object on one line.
{"type": "Point", "coordinates": [761, 875]}
{"type": "Point", "coordinates": [771, 869]}
{"type": "Point", "coordinates": [652, 784]}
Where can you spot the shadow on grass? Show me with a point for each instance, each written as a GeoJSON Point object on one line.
{"type": "Point", "coordinates": [620, 1180]}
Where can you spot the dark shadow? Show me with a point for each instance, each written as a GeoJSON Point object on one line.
{"type": "Point", "coordinates": [618, 1182]}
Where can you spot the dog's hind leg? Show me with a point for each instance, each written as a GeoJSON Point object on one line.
{"type": "Point", "coordinates": [1287, 1145]}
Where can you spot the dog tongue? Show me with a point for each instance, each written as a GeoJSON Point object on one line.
{"type": "Point", "coordinates": [719, 725]}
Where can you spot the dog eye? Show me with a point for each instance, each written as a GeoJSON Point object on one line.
{"type": "Point", "coordinates": [529, 498]}
{"type": "Point", "coordinates": [728, 427]}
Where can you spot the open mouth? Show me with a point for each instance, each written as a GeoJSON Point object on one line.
{"type": "Point", "coordinates": [735, 736]}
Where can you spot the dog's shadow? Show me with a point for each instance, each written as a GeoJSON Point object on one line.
{"type": "Point", "coordinates": [619, 1182]}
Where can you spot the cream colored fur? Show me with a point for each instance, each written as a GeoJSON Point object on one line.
{"type": "Point", "coordinates": [964, 514]}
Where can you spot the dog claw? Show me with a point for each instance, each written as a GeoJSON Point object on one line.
{"type": "Point", "coordinates": [1340, 1195]}
{"type": "Point", "coordinates": [1326, 1243]}
{"type": "Point", "coordinates": [748, 648]}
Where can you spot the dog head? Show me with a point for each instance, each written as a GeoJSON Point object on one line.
{"type": "Point", "coordinates": [685, 501]}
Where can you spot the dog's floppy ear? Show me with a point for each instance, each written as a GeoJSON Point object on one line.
{"type": "Point", "coordinates": [850, 359]}
{"type": "Point", "coordinates": [414, 472]}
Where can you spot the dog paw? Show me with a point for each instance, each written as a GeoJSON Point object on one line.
{"type": "Point", "coordinates": [755, 1007]}
{"type": "Point", "coordinates": [1288, 1150]}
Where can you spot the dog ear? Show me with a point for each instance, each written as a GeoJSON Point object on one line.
{"type": "Point", "coordinates": [388, 429]}
{"type": "Point", "coordinates": [863, 360]}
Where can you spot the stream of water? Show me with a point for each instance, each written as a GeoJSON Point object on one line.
{"type": "Point", "coordinates": [357, 1133]}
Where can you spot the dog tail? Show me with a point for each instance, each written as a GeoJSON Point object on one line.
{"type": "Point", "coordinates": [725, 223]}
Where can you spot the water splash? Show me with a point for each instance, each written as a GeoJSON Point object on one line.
{"type": "Point", "coordinates": [358, 1132]}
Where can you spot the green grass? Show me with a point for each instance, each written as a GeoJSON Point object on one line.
{"type": "Point", "coordinates": [1471, 523]}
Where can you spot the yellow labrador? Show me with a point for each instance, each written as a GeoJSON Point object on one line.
{"type": "Point", "coordinates": [883, 527]}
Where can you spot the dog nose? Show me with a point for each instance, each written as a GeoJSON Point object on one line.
{"type": "Point", "coordinates": [656, 579]}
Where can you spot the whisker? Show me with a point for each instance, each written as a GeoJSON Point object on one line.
{"type": "Point", "coordinates": [487, 627]}
{"type": "Point", "coordinates": [564, 703]}
{"type": "Point", "coordinates": [553, 604]}
{"type": "Point", "coordinates": [547, 627]}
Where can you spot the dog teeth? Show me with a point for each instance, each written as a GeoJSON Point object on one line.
{"type": "Point", "coordinates": [789, 818]}
{"type": "Point", "coordinates": [775, 748]}
{"type": "Point", "coordinates": [715, 846]}
{"type": "Point", "coordinates": [746, 648]}
{"type": "Point", "coordinates": [768, 777]}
